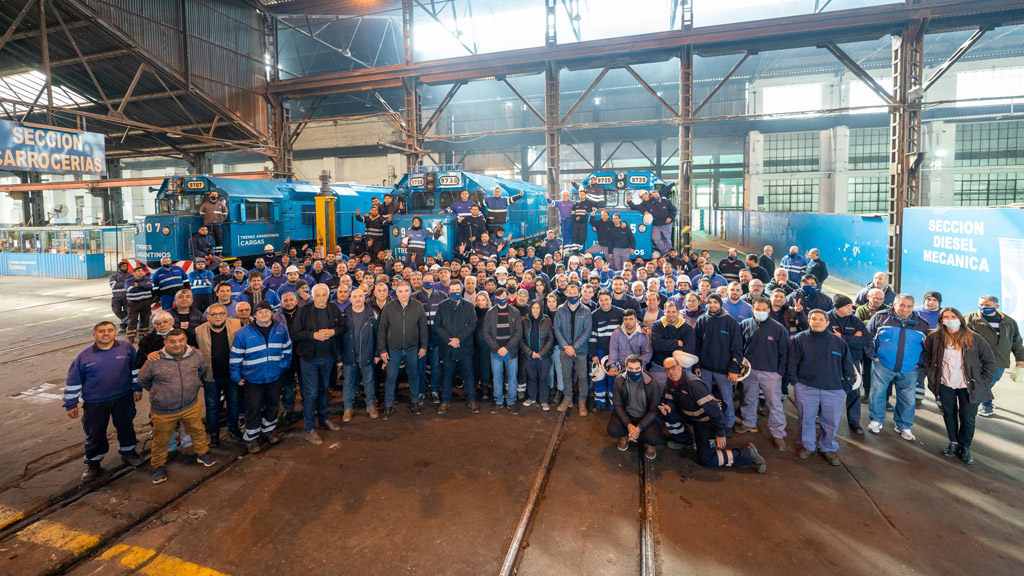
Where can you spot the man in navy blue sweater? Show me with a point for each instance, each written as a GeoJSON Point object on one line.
{"type": "Point", "coordinates": [104, 376]}
{"type": "Point", "coordinates": [766, 347]}
{"type": "Point", "coordinates": [720, 349]}
{"type": "Point", "coordinates": [821, 366]}
{"type": "Point", "coordinates": [843, 323]}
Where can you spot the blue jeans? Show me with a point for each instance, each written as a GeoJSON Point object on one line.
{"type": "Point", "coordinates": [316, 381]}
{"type": "Point", "coordinates": [504, 387]}
{"type": "Point", "coordinates": [212, 392]}
{"type": "Point", "coordinates": [435, 370]}
{"type": "Point", "coordinates": [995, 378]}
{"type": "Point", "coordinates": [351, 371]}
{"type": "Point", "coordinates": [661, 238]}
{"type": "Point", "coordinates": [555, 372]}
{"type": "Point", "coordinates": [395, 359]}
{"type": "Point", "coordinates": [566, 226]}
{"type": "Point", "coordinates": [827, 407]}
{"type": "Point", "coordinates": [724, 386]}
{"type": "Point", "coordinates": [465, 369]}
{"type": "Point", "coordinates": [905, 388]}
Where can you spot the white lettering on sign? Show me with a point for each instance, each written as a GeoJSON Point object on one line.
{"type": "Point", "coordinates": [416, 182]}
{"type": "Point", "coordinates": [638, 180]}
{"type": "Point", "coordinates": [955, 248]}
{"type": "Point", "coordinates": [255, 239]}
{"type": "Point", "coordinates": [450, 180]}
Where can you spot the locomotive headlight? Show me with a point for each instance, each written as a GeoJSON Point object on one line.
{"type": "Point", "coordinates": [394, 232]}
{"type": "Point", "coordinates": [642, 228]}
{"type": "Point", "coordinates": [137, 230]}
{"type": "Point", "coordinates": [166, 230]}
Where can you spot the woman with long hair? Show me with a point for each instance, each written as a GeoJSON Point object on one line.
{"type": "Point", "coordinates": [538, 342]}
{"type": "Point", "coordinates": [959, 366]}
{"type": "Point", "coordinates": [482, 354]}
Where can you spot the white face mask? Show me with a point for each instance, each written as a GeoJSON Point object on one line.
{"type": "Point", "coordinates": [760, 316]}
{"type": "Point", "coordinates": [953, 325]}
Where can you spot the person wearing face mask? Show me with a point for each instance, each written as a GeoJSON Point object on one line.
{"type": "Point", "coordinates": [167, 280]}
{"type": "Point", "coordinates": [503, 331]}
{"type": "Point", "coordinates": [118, 299]}
{"type": "Point", "coordinates": [138, 292]}
{"type": "Point", "coordinates": [455, 326]}
{"type": "Point", "coordinates": [538, 342]}
{"type": "Point", "coordinates": [843, 323]}
{"type": "Point", "coordinates": [766, 347]}
{"type": "Point", "coordinates": [794, 264]}
{"type": "Point", "coordinates": [688, 402]}
{"type": "Point", "coordinates": [214, 213]}
{"type": "Point", "coordinates": [809, 296]}
{"type": "Point", "coordinates": [636, 397]}
{"type": "Point", "coordinates": [260, 355]}
{"type": "Point", "coordinates": [730, 266]}
{"type": "Point", "coordinates": [1003, 336]}
{"type": "Point", "coordinates": [213, 339]}
{"type": "Point", "coordinates": [879, 281]}
{"type": "Point", "coordinates": [960, 367]}
{"type": "Point", "coordinates": [200, 280]}
{"type": "Point", "coordinates": [821, 367]}
{"type": "Point", "coordinates": [720, 349]}
{"type": "Point", "coordinates": [692, 309]}
{"type": "Point", "coordinates": [898, 335]}
{"type": "Point", "coordinates": [573, 325]}
{"type": "Point", "coordinates": [627, 340]}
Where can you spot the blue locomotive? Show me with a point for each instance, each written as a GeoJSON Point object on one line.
{"type": "Point", "coordinates": [260, 212]}
{"type": "Point", "coordinates": [619, 189]}
{"type": "Point", "coordinates": [431, 189]}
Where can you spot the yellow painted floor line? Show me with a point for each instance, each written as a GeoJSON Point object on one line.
{"type": "Point", "coordinates": [141, 560]}
{"type": "Point", "coordinates": [9, 516]}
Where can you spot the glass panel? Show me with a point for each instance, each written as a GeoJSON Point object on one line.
{"type": "Point", "coordinates": [5, 242]}
{"type": "Point", "coordinates": [793, 152]}
{"type": "Point", "coordinates": [47, 238]}
{"type": "Point", "coordinates": [29, 242]}
{"type": "Point", "coordinates": [869, 149]}
{"type": "Point", "coordinates": [93, 242]}
{"type": "Point", "coordinates": [78, 242]}
{"type": "Point", "coordinates": [990, 144]}
{"type": "Point", "coordinates": [868, 195]}
{"type": "Point", "coordinates": [257, 211]}
{"type": "Point", "coordinates": [791, 195]}
{"type": "Point", "coordinates": [421, 201]}
{"type": "Point", "coordinates": [988, 189]}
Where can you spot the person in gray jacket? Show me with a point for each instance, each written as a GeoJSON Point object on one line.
{"type": "Point", "coordinates": [174, 380]}
{"type": "Point", "coordinates": [573, 325]}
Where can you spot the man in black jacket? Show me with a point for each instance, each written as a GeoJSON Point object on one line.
{"type": "Point", "coordinates": [402, 336]}
{"type": "Point", "coordinates": [766, 347]}
{"type": "Point", "coordinates": [843, 323]}
{"type": "Point", "coordinates": [602, 227]}
{"type": "Point", "coordinates": [317, 341]}
{"type": "Point", "coordinates": [455, 323]}
{"type": "Point", "coordinates": [720, 349]}
{"type": "Point", "coordinates": [622, 242]}
{"type": "Point", "coordinates": [636, 397]}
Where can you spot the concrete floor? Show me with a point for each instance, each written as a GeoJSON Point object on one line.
{"type": "Point", "coordinates": [443, 495]}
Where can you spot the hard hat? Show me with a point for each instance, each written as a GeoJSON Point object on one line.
{"type": "Point", "coordinates": [648, 219]}
{"type": "Point", "coordinates": [292, 269]}
{"type": "Point", "coordinates": [501, 270]}
{"type": "Point", "coordinates": [655, 254]}
{"type": "Point", "coordinates": [858, 381]}
{"type": "Point", "coordinates": [268, 247]}
{"type": "Point", "coordinates": [744, 370]}
{"type": "Point", "coordinates": [597, 372]}
{"type": "Point", "coordinates": [685, 359]}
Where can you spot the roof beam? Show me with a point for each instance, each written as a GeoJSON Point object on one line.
{"type": "Point", "coordinates": [955, 57]}
{"type": "Point", "coordinates": [859, 72]}
{"type": "Point", "coordinates": [115, 182]}
{"type": "Point", "coordinates": [36, 32]}
{"type": "Point", "coordinates": [762, 35]}
{"type": "Point", "coordinates": [9, 34]}
{"type": "Point", "coordinates": [721, 83]}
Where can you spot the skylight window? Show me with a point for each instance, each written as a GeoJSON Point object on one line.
{"type": "Point", "coordinates": [1003, 85]}
{"type": "Point", "coordinates": [791, 99]}
{"type": "Point", "coordinates": [25, 87]}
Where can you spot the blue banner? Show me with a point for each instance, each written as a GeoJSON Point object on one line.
{"type": "Point", "coordinates": [42, 149]}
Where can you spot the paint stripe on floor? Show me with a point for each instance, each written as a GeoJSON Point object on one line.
{"type": "Point", "coordinates": [9, 516]}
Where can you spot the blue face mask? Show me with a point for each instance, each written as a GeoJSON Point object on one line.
{"type": "Point", "coordinates": [731, 258]}
{"type": "Point", "coordinates": [455, 296]}
{"type": "Point", "coordinates": [809, 290]}
{"type": "Point", "coordinates": [166, 266]}
{"type": "Point", "coordinates": [634, 375]}
{"type": "Point", "coordinates": [987, 310]}
{"type": "Point", "coordinates": [574, 300]}
{"type": "Point", "coordinates": [502, 301]}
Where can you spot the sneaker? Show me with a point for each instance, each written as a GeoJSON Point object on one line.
{"type": "Point", "coordinates": [740, 428]}
{"type": "Point", "coordinates": [545, 407]}
{"type": "Point", "coordinates": [952, 450]}
{"type": "Point", "coordinates": [803, 453]}
{"type": "Point", "coordinates": [565, 404]}
{"type": "Point", "coordinates": [651, 452]}
{"type": "Point", "coordinates": [857, 430]}
{"type": "Point", "coordinates": [273, 437]}
{"type": "Point", "coordinates": [313, 438]}
{"type": "Point", "coordinates": [372, 412]}
{"type": "Point", "coordinates": [673, 445]}
{"type": "Point", "coordinates": [420, 400]}
{"type": "Point", "coordinates": [474, 407]}
{"type": "Point", "coordinates": [623, 444]}
{"type": "Point", "coordinates": [235, 436]}
{"type": "Point", "coordinates": [214, 441]}
{"type": "Point", "coordinates": [875, 427]}
{"type": "Point", "coordinates": [388, 411]}
{"type": "Point", "coordinates": [330, 425]}
{"type": "Point", "coordinates": [583, 410]}
{"type": "Point", "coordinates": [529, 402]}
{"type": "Point", "coordinates": [759, 464]}
{"type": "Point", "coordinates": [496, 409]}
{"type": "Point", "coordinates": [442, 409]}
{"type": "Point", "coordinates": [779, 444]}
{"type": "Point", "coordinates": [346, 416]}
{"type": "Point", "coordinates": [206, 459]}
{"type": "Point", "coordinates": [831, 458]}
{"type": "Point", "coordinates": [987, 411]}
{"type": "Point", "coordinates": [132, 458]}
{"type": "Point", "coordinates": [598, 408]}
{"type": "Point", "coordinates": [416, 409]}
{"type": "Point", "coordinates": [92, 471]}
{"type": "Point", "coordinates": [159, 475]}
{"type": "Point", "coordinates": [965, 455]}
{"type": "Point", "coordinates": [252, 446]}
{"type": "Point", "coordinates": [906, 434]}
{"type": "Point", "coordinates": [513, 409]}
{"type": "Point", "coordinates": [435, 397]}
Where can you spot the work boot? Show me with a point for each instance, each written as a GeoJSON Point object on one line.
{"type": "Point", "coordinates": [623, 444]}
{"type": "Point", "coordinates": [779, 443]}
{"type": "Point", "coordinates": [372, 412]}
{"type": "Point", "coordinates": [328, 424]}
{"type": "Point", "coordinates": [496, 409]}
{"type": "Point", "coordinates": [831, 458]}
{"type": "Point", "coordinates": [313, 438]}
{"type": "Point", "coordinates": [252, 446]}
{"type": "Point", "coordinates": [803, 453]}
{"type": "Point", "coordinates": [132, 458]}
{"type": "Point", "coordinates": [513, 409]}
{"type": "Point", "coordinates": [474, 407]}
{"type": "Point", "coordinates": [583, 410]}
{"type": "Point", "coordinates": [442, 408]}
{"type": "Point", "coordinates": [651, 452]}
{"type": "Point", "coordinates": [759, 464]}
{"type": "Point", "coordinates": [92, 471]}
{"type": "Point", "coordinates": [952, 450]}
{"type": "Point", "coordinates": [273, 437]}
{"type": "Point", "coordinates": [388, 411]}
{"type": "Point", "coordinates": [741, 428]}
{"type": "Point", "coordinates": [346, 416]}
{"type": "Point", "coordinates": [159, 475]}
{"type": "Point", "coordinates": [565, 404]}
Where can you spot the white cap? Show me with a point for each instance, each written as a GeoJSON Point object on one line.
{"type": "Point", "coordinates": [292, 269]}
{"type": "Point", "coordinates": [268, 247]}
{"type": "Point", "coordinates": [501, 270]}
{"type": "Point", "coordinates": [684, 359]}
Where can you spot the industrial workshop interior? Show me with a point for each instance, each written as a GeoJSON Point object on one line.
{"type": "Point", "coordinates": [495, 287]}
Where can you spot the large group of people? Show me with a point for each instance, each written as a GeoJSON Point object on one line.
{"type": "Point", "coordinates": [676, 348]}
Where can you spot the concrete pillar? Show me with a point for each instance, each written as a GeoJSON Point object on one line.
{"type": "Point", "coordinates": [841, 169]}
{"type": "Point", "coordinates": [937, 179]}
{"type": "Point", "coordinates": [826, 165]}
{"type": "Point", "coordinates": [753, 184]}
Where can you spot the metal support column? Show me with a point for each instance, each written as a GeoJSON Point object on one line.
{"type": "Point", "coordinates": [112, 198]}
{"type": "Point", "coordinates": [682, 234]}
{"type": "Point", "coordinates": [553, 130]}
{"type": "Point", "coordinates": [413, 111]}
{"type": "Point", "coordinates": [904, 138]}
{"type": "Point", "coordinates": [279, 115]}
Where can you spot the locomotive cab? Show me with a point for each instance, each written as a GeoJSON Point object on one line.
{"type": "Point", "coordinates": [621, 190]}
